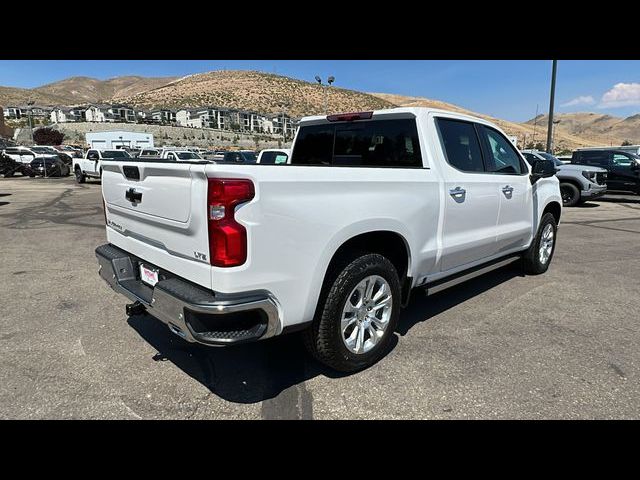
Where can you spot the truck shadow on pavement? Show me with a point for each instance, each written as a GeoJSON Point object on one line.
{"type": "Point", "coordinates": [260, 371]}
{"type": "Point", "coordinates": [248, 373]}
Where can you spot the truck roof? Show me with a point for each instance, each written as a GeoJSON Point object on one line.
{"type": "Point", "coordinates": [399, 111]}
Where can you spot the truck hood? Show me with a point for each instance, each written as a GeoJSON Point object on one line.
{"type": "Point", "coordinates": [580, 168]}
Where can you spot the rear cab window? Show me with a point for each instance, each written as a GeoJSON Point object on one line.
{"type": "Point", "coordinates": [371, 143]}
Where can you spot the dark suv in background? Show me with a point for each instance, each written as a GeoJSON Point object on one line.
{"type": "Point", "coordinates": [623, 167]}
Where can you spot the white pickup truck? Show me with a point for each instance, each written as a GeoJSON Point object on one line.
{"type": "Point", "coordinates": [171, 154]}
{"type": "Point", "coordinates": [91, 164]}
{"type": "Point", "coordinates": [371, 205]}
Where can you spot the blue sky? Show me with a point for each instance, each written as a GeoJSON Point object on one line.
{"type": "Point", "coordinates": [503, 88]}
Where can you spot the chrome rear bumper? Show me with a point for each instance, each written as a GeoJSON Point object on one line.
{"type": "Point", "coordinates": [190, 311]}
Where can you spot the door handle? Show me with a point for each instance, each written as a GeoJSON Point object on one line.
{"type": "Point", "coordinates": [507, 190]}
{"type": "Point", "coordinates": [457, 192]}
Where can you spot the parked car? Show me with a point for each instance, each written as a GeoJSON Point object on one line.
{"type": "Point", "coordinates": [274, 156]}
{"type": "Point", "coordinates": [239, 156]}
{"type": "Point", "coordinates": [91, 165]}
{"type": "Point", "coordinates": [378, 203]}
{"type": "Point", "coordinates": [623, 167]}
{"type": "Point", "coordinates": [578, 183]}
{"type": "Point", "coordinates": [26, 155]}
{"type": "Point", "coordinates": [149, 152]}
{"type": "Point", "coordinates": [48, 150]}
{"type": "Point", "coordinates": [174, 156]}
{"type": "Point", "coordinates": [9, 167]}
{"type": "Point", "coordinates": [51, 166]}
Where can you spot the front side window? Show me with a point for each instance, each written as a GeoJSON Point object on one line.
{"type": "Point", "coordinates": [461, 145]}
{"type": "Point", "coordinates": [502, 155]}
{"type": "Point", "coordinates": [529, 157]}
{"type": "Point", "coordinates": [620, 160]}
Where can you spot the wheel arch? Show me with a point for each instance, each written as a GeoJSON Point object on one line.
{"type": "Point", "coordinates": [387, 242]}
{"type": "Point", "coordinates": [555, 209]}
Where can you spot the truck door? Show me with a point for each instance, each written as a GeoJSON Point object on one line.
{"type": "Point", "coordinates": [90, 162]}
{"type": "Point", "coordinates": [470, 196]}
{"type": "Point", "coordinates": [515, 217]}
{"type": "Point", "coordinates": [623, 173]}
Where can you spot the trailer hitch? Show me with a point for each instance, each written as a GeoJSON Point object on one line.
{"type": "Point", "coordinates": [135, 308]}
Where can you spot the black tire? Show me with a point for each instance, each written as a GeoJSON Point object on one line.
{"type": "Point", "coordinates": [570, 194]}
{"type": "Point", "coordinates": [323, 338]}
{"type": "Point", "coordinates": [531, 262]}
{"type": "Point", "coordinates": [80, 177]}
{"type": "Point", "coordinates": [8, 174]}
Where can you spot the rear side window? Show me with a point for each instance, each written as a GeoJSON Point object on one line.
{"type": "Point", "coordinates": [502, 155]}
{"type": "Point", "coordinates": [461, 145]}
{"type": "Point", "coordinates": [598, 158]}
{"type": "Point", "coordinates": [376, 143]}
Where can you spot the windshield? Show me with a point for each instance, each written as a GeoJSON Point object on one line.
{"type": "Point", "coordinates": [40, 149]}
{"type": "Point", "coordinates": [188, 156]}
{"type": "Point", "coordinates": [548, 156]}
{"type": "Point", "coordinates": [115, 154]}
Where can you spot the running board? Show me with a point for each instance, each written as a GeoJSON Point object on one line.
{"type": "Point", "coordinates": [465, 275]}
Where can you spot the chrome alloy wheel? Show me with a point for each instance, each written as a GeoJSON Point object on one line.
{"type": "Point", "coordinates": [546, 244]}
{"type": "Point", "coordinates": [366, 314]}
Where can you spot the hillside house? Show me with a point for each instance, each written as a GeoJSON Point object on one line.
{"type": "Point", "coordinates": [67, 114]}
{"type": "Point", "coordinates": [164, 116]}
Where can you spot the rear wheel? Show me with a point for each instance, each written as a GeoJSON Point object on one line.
{"type": "Point", "coordinates": [356, 318]}
{"type": "Point", "coordinates": [570, 194]}
{"type": "Point", "coordinates": [537, 258]}
{"type": "Point", "coordinates": [80, 177]}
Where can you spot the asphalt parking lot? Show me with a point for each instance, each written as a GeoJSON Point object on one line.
{"type": "Point", "coordinates": [559, 345]}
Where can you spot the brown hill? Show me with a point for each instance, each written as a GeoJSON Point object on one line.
{"type": "Point", "coordinates": [604, 129]}
{"type": "Point", "coordinates": [10, 96]}
{"type": "Point", "coordinates": [524, 131]}
{"type": "Point", "coordinates": [79, 90]}
{"type": "Point", "coordinates": [250, 90]}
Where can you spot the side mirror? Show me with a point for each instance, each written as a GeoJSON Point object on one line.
{"type": "Point", "coordinates": [542, 169]}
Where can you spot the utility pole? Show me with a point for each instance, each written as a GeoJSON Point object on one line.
{"type": "Point", "coordinates": [551, 98]}
{"type": "Point", "coordinates": [553, 136]}
{"type": "Point", "coordinates": [535, 123]}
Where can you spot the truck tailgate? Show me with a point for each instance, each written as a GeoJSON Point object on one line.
{"type": "Point", "coordinates": [157, 211]}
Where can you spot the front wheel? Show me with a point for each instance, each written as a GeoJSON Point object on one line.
{"type": "Point", "coordinates": [80, 178]}
{"type": "Point", "coordinates": [356, 318]}
{"type": "Point", "coordinates": [570, 194]}
{"type": "Point", "coordinates": [537, 258]}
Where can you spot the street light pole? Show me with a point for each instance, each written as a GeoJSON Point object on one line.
{"type": "Point", "coordinates": [551, 99]}
{"type": "Point", "coordinates": [330, 80]}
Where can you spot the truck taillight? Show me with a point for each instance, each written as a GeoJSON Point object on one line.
{"type": "Point", "coordinates": [227, 238]}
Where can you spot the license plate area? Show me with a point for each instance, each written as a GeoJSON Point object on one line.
{"type": "Point", "coordinates": [148, 275]}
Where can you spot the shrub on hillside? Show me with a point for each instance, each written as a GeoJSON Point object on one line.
{"type": "Point", "coordinates": [48, 136]}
